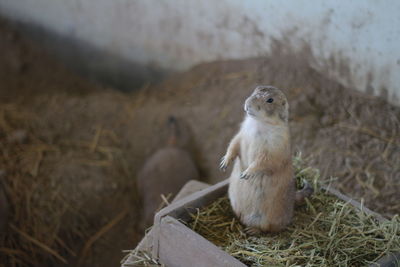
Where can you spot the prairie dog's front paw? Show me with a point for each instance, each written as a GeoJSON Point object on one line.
{"type": "Point", "coordinates": [224, 163]}
{"type": "Point", "coordinates": [246, 175]}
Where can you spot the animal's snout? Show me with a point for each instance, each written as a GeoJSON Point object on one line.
{"type": "Point", "coordinates": [247, 104]}
{"type": "Point", "coordinates": [250, 101]}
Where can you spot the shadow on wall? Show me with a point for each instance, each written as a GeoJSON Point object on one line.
{"type": "Point", "coordinates": [90, 62]}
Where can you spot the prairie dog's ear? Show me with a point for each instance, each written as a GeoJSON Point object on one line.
{"type": "Point", "coordinates": [179, 132]}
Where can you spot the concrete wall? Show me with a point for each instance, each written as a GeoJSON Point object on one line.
{"type": "Point", "coordinates": [356, 42]}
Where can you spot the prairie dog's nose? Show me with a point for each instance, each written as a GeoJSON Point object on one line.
{"type": "Point", "coordinates": [246, 104]}
{"type": "Point", "coordinates": [249, 101]}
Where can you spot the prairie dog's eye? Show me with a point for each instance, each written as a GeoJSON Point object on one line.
{"type": "Point", "coordinates": [270, 100]}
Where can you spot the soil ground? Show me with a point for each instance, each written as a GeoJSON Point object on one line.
{"type": "Point", "coordinates": [71, 149]}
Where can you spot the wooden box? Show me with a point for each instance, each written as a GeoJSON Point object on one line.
{"type": "Point", "coordinates": [174, 244]}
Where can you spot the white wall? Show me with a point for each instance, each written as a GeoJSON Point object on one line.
{"type": "Point", "coordinates": [176, 34]}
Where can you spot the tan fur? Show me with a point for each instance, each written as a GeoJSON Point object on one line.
{"type": "Point", "coordinates": [262, 188]}
{"type": "Point", "coordinates": [166, 171]}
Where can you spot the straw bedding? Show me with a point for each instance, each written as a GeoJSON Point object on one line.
{"type": "Point", "coordinates": [325, 232]}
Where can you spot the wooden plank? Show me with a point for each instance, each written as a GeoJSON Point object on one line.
{"type": "Point", "coordinates": [171, 237]}
{"type": "Point", "coordinates": [181, 208]}
{"type": "Point", "coordinates": [147, 242]}
{"type": "Point", "coordinates": [181, 247]}
{"type": "Point", "coordinates": [390, 260]}
{"type": "Point", "coordinates": [354, 203]}
{"type": "Point", "coordinates": [189, 188]}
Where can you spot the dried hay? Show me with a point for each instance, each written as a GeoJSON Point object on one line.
{"type": "Point", "coordinates": [47, 223]}
{"type": "Point", "coordinates": [325, 232]}
{"type": "Point", "coordinates": [137, 258]}
{"type": "Point", "coordinates": [356, 138]}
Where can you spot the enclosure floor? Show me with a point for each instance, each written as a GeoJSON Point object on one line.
{"type": "Point", "coordinates": [75, 147]}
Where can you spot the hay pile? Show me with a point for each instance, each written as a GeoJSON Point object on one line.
{"type": "Point", "coordinates": [67, 163]}
{"type": "Point", "coordinates": [50, 221]}
{"type": "Point", "coordinates": [36, 216]}
{"type": "Point", "coordinates": [325, 232]}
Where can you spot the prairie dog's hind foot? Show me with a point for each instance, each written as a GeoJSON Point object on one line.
{"type": "Point", "coordinates": [305, 192]}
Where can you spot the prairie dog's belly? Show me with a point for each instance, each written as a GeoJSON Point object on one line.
{"type": "Point", "coordinates": [252, 147]}
{"type": "Point", "coordinates": [258, 139]}
{"type": "Point", "coordinates": [261, 202]}
{"type": "Point", "coordinates": [249, 150]}
{"type": "Point", "coordinates": [248, 197]}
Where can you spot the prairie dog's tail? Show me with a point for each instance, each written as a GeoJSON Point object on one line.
{"type": "Point", "coordinates": [303, 193]}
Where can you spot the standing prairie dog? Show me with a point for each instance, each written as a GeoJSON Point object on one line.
{"type": "Point", "coordinates": [262, 187]}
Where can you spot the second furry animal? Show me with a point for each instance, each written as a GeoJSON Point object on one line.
{"type": "Point", "coordinates": [166, 171]}
{"type": "Point", "coordinates": [262, 187]}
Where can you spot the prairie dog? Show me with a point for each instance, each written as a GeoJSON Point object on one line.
{"type": "Point", "coordinates": [166, 171]}
{"type": "Point", "coordinates": [262, 188]}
